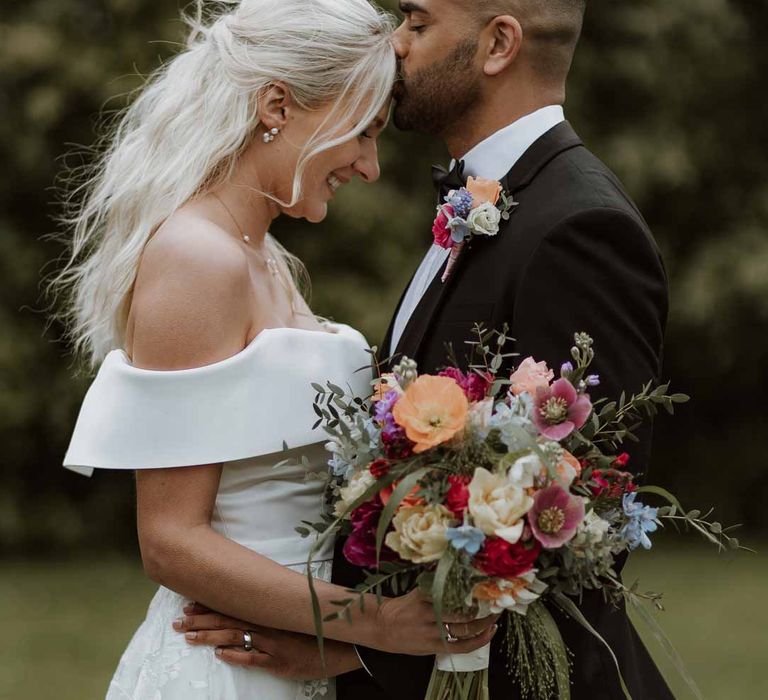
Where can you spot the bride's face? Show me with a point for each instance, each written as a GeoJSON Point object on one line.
{"type": "Point", "coordinates": [326, 172]}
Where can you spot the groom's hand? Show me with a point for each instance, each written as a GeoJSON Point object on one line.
{"type": "Point", "coordinates": [284, 654]}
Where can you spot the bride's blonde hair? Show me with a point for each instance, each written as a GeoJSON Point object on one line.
{"type": "Point", "coordinates": [195, 115]}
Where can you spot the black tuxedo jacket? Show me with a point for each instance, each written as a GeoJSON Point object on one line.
{"type": "Point", "coordinates": [576, 255]}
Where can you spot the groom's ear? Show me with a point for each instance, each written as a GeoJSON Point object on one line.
{"type": "Point", "coordinates": [275, 103]}
{"type": "Point", "coordinates": [500, 42]}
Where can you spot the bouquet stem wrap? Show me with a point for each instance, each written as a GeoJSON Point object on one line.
{"type": "Point", "coordinates": [477, 660]}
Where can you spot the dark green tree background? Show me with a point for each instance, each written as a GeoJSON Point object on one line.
{"type": "Point", "coordinates": [670, 94]}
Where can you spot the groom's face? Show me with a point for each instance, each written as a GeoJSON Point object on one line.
{"type": "Point", "coordinates": [440, 80]}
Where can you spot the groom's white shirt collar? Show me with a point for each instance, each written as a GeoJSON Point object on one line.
{"type": "Point", "coordinates": [492, 158]}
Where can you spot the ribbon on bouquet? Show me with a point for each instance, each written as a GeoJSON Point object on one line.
{"type": "Point", "coordinates": [477, 660]}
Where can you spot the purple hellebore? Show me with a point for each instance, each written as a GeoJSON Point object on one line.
{"type": "Point", "coordinates": [560, 410]}
{"type": "Point", "coordinates": [555, 516]}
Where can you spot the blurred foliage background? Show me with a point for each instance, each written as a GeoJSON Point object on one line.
{"type": "Point", "coordinates": [670, 95]}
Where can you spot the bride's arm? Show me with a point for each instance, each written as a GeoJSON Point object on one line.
{"type": "Point", "coordinates": [193, 305]}
{"type": "Point", "coordinates": [181, 551]}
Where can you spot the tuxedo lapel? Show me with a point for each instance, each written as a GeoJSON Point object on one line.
{"type": "Point", "coordinates": [558, 139]}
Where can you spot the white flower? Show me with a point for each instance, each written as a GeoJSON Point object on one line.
{"type": "Point", "coordinates": [498, 506]}
{"type": "Point", "coordinates": [419, 534]}
{"type": "Point", "coordinates": [479, 417]}
{"type": "Point", "coordinates": [591, 531]}
{"type": "Point", "coordinates": [484, 219]}
{"type": "Point", "coordinates": [359, 483]}
{"type": "Point", "coordinates": [524, 470]}
{"type": "Point", "coordinates": [502, 594]}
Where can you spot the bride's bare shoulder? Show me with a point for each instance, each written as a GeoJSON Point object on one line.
{"type": "Point", "coordinates": [189, 302]}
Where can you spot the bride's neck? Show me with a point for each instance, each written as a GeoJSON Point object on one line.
{"type": "Point", "coordinates": [243, 196]}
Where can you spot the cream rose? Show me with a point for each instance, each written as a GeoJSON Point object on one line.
{"type": "Point", "coordinates": [497, 506]}
{"type": "Point", "coordinates": [419, 534]}
{"type": "Point", "coordinates": [357, 486]}
{"type": "Point", "coordinates": [484, 219]}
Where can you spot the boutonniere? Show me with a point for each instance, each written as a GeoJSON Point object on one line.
{"type": "Point", "coordinates": [475, 210]}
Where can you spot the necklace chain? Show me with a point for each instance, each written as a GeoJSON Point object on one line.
{"type": "Point", "coordinates": [271, 262]}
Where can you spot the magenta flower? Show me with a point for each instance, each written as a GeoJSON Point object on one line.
{"type": "Point", "coordinates": [555, 516]}
{"type": "Point", "coordinates": [360, 547]}
{"type": "Point", "coordinates": [474, 385]}
{"type": "Point", "coordinates": [560, 410]}
{"type": "Point", "coordinates": [440, 229]}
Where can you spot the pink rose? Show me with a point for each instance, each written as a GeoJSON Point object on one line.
{"type": "Point", "coordinates": [530, 376]}
{"type": "Point", "coordinates": [440, 229]}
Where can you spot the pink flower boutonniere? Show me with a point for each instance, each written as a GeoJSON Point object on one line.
{"type": "Point", "coordinates": [475, 210]}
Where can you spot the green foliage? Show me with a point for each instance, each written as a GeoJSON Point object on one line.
{"type": "Point", "coordinates": [670, 95]}
{"type": "Point", "coordinates": [538, 656]}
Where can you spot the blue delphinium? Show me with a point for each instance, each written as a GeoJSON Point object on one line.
{"type": "Point", "coordinates": [461, 201]}
{"type": "Point", "coordinates": [466, 538]}
{"type": "Point", "coordinates": [642, 520]}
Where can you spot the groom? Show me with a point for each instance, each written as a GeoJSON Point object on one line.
{"type": "Point", "coordinates": [488, 78]}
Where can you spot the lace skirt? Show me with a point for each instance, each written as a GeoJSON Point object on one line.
{"type": "Point", "coordinates": [159, 664]}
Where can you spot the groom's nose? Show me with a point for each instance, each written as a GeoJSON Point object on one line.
{"type": "Point", "coordinates": [400, 41]}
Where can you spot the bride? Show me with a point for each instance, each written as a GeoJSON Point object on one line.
{"type": "Point", "coordinates": [206, 347]}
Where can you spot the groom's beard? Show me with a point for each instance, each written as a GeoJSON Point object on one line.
{"type": "Point", "coordinates": [433, 99]}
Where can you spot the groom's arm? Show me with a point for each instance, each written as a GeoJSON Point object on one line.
{"type": "Point", "coordinates": [600, 272]}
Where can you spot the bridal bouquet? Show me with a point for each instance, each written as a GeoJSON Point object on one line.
{"type": "Point", "coordinates": [494, 495]}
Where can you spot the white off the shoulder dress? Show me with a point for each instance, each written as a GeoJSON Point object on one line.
{"type": "Point", "coordinates": [238, 412]}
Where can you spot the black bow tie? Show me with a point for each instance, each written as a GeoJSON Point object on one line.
{"type": "Point", "coordinates": [446, 181]}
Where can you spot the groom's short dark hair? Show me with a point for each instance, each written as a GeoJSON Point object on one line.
{"type": "Point", "coordinates": [551, 29]}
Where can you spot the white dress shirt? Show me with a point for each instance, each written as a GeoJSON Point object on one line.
{"type": "Point", "coordinates": [492, 158]}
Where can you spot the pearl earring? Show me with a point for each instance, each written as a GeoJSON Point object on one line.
{"type": "Point", "coordinates": [269, 136]}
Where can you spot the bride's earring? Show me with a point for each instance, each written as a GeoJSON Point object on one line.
{"type": "Point", "coordinates": [269, 136]}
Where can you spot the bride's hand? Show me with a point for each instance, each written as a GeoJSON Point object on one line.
{"type": "Point", "coordinates": [408, 626]}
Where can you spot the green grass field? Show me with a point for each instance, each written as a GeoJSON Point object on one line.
{"type": "Point", "coordinates": [64, 625]}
